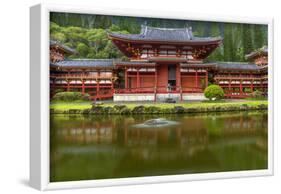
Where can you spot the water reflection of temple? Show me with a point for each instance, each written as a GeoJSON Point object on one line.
{"type": "Point", "coordinates": [110, 147]}
{"type": "Point", "coordinates": [191, 131]}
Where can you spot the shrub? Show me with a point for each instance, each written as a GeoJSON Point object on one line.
{"type": "Point", "coordinates": [257, 94]}
{"type": "Point", "coordinates": [58, 90]}
{"type": "Point", "coordinates": [247, 90]}
{"type": "Point", "coordinates": [71, 96]}
{"type": "Point", "coordinates": [82, 49]}
{"type": "Point", "coordinates": [214, 92]}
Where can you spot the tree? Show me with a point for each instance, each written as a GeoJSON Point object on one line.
{"type": "Point", "coordinates": [214, 92]}
{"type": "Point", "coordinates": [247, 39]}
{"type": "Point", "coordinates": [238, 54]}
{"type": "Point", "coordinates": [259, 36]}
{"type": "Point", "coordinates": [217, 55]}
{"type": "Point", "coordinates": [97, 39]}
{"type": "Point", "coordinates": [228, 43]}
{"type": "Point", "coordinates": [82, 49]}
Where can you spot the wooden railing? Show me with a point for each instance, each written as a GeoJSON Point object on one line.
{"type": "Point", "coordinates": [172, 89]}
{"type": "Point", "coordinates": [237, 95]}
{"type": "Point", "coordinates": [134, 90]}
{"type": "Point", "coordinates": [99, 95]}
{"type": "Point", "coordinates": [238, 77]}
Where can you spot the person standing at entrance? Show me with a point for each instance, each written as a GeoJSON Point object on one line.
{"type": "Point", "coordinates": [169, 87]}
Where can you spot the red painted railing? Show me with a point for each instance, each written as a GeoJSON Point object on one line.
{"type": "Point", "coordinates": [172, 89]}
{"type": "Point", "coordinates": [105, 94]}
{"type": "Point", "coordinates": [256, 77]}
{"type": "Point", "coordinates": [134, 90]}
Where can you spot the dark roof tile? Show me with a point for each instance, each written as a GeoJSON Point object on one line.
{"type": "Point", "coordinates": [165, 34]}
{"type": "Point", "coordinates": [236, 66]}
{"type": "Point", "coordinates": [108, 63]}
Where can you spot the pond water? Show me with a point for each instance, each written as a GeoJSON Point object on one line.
{"type": "Point", "coordinates": [100, 147]}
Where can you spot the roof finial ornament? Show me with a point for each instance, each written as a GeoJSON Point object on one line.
{"type": "Point", "coordinates": [145, 23]}
{"type": "Point", "coordinates": [143, 28]}
{"type": "Point", "coordinates": [190, 32]}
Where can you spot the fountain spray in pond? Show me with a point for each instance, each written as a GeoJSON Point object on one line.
{"type": "Point", "coordinates": [159, 122]}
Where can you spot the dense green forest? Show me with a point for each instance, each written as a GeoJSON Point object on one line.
{"type": "Point", "coordinates": [87, 34]}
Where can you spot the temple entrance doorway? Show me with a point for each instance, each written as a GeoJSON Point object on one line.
{"type": "Point", "coordinates": [172, 77]}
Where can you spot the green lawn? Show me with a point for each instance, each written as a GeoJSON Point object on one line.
{"type": "Point", "coordinates": [70, 105]}
{"type": "Point", "coordinates": [205, 104]}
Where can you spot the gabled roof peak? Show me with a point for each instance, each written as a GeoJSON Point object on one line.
{"type": "Point", "coordinates": [63, 46]}
{"type": "Point", "coordinates": [261, 51]}
{"type": "Point", "coordinates": [169, 33]}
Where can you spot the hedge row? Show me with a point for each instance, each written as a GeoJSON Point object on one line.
{"type": "Point", "coordinates": [124, 110]}
{"type": "Point", "coordinates": [71, 96]}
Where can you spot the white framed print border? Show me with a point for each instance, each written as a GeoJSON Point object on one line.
{"type": "Point", "coordinates": [39, 97]}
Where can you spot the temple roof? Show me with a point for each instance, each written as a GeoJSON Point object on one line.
{"type": "Point", "coordinates": [237, 66]}
{"type": "Point", "coordinates": [164, 34]}
{"type": "Point", "coordinates": [99, 63]}
{"type": "Point", "coordinates": [134, 63]}
{"type": "Point", "coordinates": [225, 66]}
{"type": "Point", "coordinates": [110, 63]}
{"type": "Point", "coordinates": [261, 51]}
{"type": "Point", "coordinates": [64, 47]}
{"type": "Point", "coordinates": [200, 65]}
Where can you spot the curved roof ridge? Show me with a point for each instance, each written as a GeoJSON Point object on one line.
{"type": "Point", "coordinates": [232, 62]}
{"type": "Point", "coordinates": [86, 63]}
{"type": "Point", "coordinates": [164, 28]}
{"type": "Point", "coordinates": [85, 59]}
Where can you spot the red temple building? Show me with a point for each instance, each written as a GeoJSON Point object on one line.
{"type": "Point", "coordinates": [163, 63]}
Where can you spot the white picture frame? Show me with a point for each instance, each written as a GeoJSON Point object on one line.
{"type": "Point", "coordinates": [39, 102]}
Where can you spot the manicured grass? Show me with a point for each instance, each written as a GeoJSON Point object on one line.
{"type": "Point", "coordinates": [205, 104]}
{"type": "Point", "coordinates": [72, 105]}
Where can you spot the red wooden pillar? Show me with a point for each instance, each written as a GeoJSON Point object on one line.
{"type": "Point", "coordinates": [241, 87]}
{"type": "Point", "coordinates": [98, 85]}
{"type": "Point", "coordinates": [196, 78]}
{"type": "Point", "coordinates": [68, 86]}
{"type": "Point", "coordinates": [112, 86]}
{"type": "Point", "coordinates": [83, 86]}
{"type": "Point", "coordinates": [155, 83]}
{"type": "Point", "coordinates": [138, 78]}
{"type": "Point", "coordinates": [229, 88]}
{"type": "Point", "coordinates": [98, 88]}
{"type": "Point", "coordinates": [179, 80]}
{"type": "Point", "coordinates": [126, 78]}
{"type": "Point", "coordinates": [252, 85]}
{"type": "Point", "coordinates": [206, 78]}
